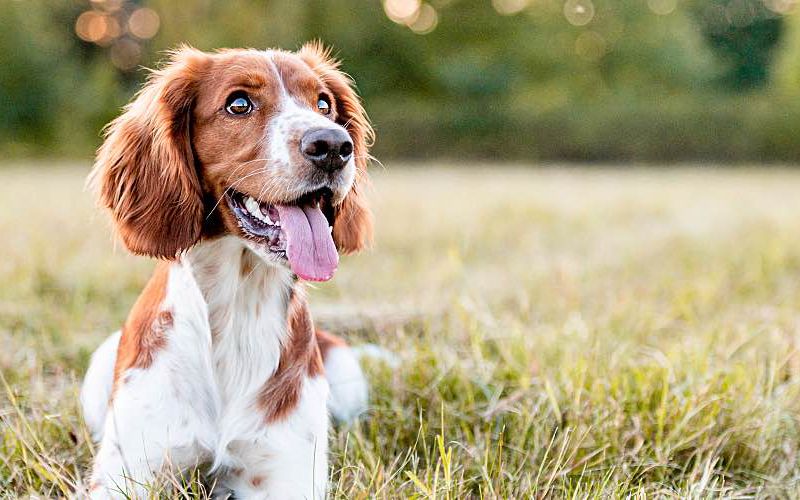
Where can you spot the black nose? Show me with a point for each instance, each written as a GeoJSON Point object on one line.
{"type": "Point", "coordinates": [327, 148]}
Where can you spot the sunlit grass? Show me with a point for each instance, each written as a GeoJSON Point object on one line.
{"type": "Point", "coordinates": [561, 332]}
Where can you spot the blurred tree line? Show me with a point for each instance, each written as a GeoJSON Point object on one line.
{"type": "Point", "coordinates": [601, 80]}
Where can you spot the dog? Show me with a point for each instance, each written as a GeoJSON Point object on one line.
{"type": "Point", "coordinates": [243, 172]}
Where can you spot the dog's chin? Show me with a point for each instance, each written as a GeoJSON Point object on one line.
{"type": "Point", "coordinates": [265, 255]}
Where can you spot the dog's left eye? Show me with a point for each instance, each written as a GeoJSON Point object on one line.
{"type": "Point", "coordinates": [324, 105]}
{"type": "Point", "coordinates": [238, 104]}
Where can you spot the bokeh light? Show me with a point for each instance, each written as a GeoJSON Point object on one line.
{"type": "Point", "coordinates": [426, 20]}
{"type": "Point", "coordinates": [143, 23]}
{"type": "Point", "coordinates": [662, 7]}
{"type": "Point", "coordinates": [509, 7]}
{"type": "Point", "coordinates": [97, 27]}
{"type": "Point", "coordinates": [591, 46]}
{"type": "Point", "coordinates": [121, 26]}
{"type": "Point", "coordinates": [402, 11]}
{"type": "Point", "coordinates": [113, 30]}
{"type": "Point", "coordinates": [125, 54]}
{"type": "Point", "coordinates": [781, 7]}
{"type": "Point", "coordinates": [419, 17]}
{"type": "Point", "coordinates": [91, 26]}
{"type": "Point", "coordinates": [579, 12]}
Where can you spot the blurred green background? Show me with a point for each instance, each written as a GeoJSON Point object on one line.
{"type": "Point", "coordinates": [528, 80]}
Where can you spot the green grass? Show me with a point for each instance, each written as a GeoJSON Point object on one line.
{"type": "Point", "coordinates": [562, 332]}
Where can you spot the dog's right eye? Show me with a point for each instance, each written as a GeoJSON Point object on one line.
{"type": "Point", "coordinates": [238, 104]}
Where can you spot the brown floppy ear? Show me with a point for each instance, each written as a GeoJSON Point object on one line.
{"type": "Point", "coordinates": [352, 227]}
{"type": "Point", "coordinates": [144, 172]}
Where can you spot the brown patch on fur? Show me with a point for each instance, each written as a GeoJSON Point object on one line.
{"type": "Point", "coordinates": [143, 334]}
{"type": "Point", "coordinates": [300, 359]}
{"type": "Point", "coordinates": [256, 481]}
{"type": "Point", "coordinates": [352, 229]}
{"type": "Point", "coordinates": [328, 341]}
{"type": "Point", "coordinates": [249, 262]}
{"type": "Point", "coordinates": [165, 320]}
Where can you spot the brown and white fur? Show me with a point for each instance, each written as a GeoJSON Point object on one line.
{"type": "Point", "coordinates": [218, 362]}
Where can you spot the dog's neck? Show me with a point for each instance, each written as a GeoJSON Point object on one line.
{"type": "Point", "coordinates": [247, 302]}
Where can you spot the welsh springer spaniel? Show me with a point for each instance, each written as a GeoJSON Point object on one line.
{"type": "Point", "coordinates": [243, 171]}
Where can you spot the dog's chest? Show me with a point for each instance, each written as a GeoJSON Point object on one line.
{"type": "Point", "coordinates": [246, 352]}
{"type": "Point", "coordinates": [246, 314]}
{"type": "Point", "coordinates": [247, 339]}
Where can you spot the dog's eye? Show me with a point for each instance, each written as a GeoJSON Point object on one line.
{"type": "Point", "coordinates": [238, 104]}
{"type": "Point", "coordinates": [324, 105]}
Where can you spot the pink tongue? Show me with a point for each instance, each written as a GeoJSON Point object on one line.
{"type": "Point", "coordinates": [309, 243]}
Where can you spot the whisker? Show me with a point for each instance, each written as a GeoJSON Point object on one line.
{"type": "Point", "coordinates": [283, 184]}
{"type": "Point", "coordinates": [371, 158]}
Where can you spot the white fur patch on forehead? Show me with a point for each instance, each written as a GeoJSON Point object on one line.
{"type": "Point", "coordinates": [270, 56]}
{"type": "Point", "coordinates": [286, 96]}
{"type": "Point", "coordinates": [289, 69]}
{"type": "Point", "coordinates": [292, 119]}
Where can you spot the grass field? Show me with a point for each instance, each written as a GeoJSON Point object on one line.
{"type": "Point", "coordinates": [561, 332]}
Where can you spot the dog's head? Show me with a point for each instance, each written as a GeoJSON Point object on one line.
{"type": "Point", "coordinates": [269, 146]}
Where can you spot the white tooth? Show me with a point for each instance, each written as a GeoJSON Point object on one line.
{"type": "Point", "coordinates": [251, 206]}
{"type": "Point", "coordinates": [254, 208]}
{"type": "Point", "coordinates": [330, 228]}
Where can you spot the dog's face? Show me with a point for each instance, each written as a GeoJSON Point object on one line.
{"type": "Point", "coordinates": [268, 146]}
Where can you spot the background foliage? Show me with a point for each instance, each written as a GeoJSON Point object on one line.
{"type": "Point", "coordinates": [504, 79]}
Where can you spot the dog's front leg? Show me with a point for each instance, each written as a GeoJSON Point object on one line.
{"type": "Point", "coordinates": [157, 423]}
{"type": "Point", "coordinates": [162, 412]}
{"type": "Point", "coordinates": [288, 458]}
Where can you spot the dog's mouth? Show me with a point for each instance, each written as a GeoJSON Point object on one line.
{"type": "Point", "coordinates": [299, 232]}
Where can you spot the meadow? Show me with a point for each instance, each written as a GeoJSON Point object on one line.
{"type": "Point", "coordinates": [559, 332]}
